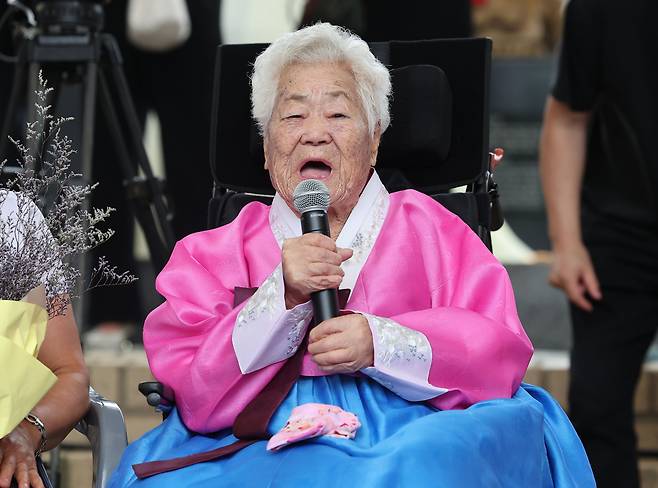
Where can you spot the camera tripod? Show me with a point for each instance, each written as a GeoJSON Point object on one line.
{"type": "Point", "coordinates": [67, 44]}
{"type": "Point", "coordinates": [80, 56]}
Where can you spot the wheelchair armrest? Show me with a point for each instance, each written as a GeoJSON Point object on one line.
{"type": "Point", "coordinates": [157, 395]}
{"type": "Point", "coordinates": [105, 428]}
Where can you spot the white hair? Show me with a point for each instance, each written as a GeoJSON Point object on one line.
{"type": "Point", "coordinates": [321, 43]}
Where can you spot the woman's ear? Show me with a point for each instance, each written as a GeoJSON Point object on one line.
{"type": "Point", "coordinates": [265, 146]}
{"type": "Point", "coordinates": [374, 145]}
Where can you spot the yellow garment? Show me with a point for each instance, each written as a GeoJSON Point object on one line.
{"type": "Point", "coordinates": [24, 379]}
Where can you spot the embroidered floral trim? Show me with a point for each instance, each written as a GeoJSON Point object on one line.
{"type": "Point", "coordinates": [277, 227]}
{"type": "Point", "coordinates": [365, 238]}
{"type": "Point", "coordinates": [299, 317]}
{"type": "Point", "coordinates": [267, 299]}
{"type": "Point", "coordinates": [397, 343]}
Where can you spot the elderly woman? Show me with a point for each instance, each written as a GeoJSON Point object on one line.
{"type": "Point", "coordinates": [53, 417]}
{"type": "Point", "coordinates": [428, 359]}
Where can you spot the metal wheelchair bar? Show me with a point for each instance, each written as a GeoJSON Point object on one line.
{"type": "Point", "coordinates": [105, 428]}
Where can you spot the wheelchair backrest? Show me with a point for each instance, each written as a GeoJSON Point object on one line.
{"type": "Point", "coordinates": [438, 138]}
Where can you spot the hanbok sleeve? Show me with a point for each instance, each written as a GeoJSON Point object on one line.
{"type": "Point", "coordinates": [405, 370]}
{"type": "Point", "coordinates": [265, 331]}
{"type": "Point", "coordinates": [468, 347]}
{"type": "Point", "coordinates": [188, 339]}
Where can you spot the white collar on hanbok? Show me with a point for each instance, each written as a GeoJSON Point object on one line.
{"type": "Point", "coordinates": [359, 232]}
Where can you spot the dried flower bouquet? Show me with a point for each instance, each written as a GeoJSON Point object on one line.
{"type": "Point", "coordinates": [46, 226]}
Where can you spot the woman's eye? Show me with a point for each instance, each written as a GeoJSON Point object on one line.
{"type": "Point", "coordinates": [293, 116]}
{"type": "Point", "coordinates": [338, 116]}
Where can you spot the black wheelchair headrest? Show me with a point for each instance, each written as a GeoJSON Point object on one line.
{"type": "Point", "coordinates": [438, 136]}
{"type": "Point", "coordinates": [421, 114]}
{"type": "Point", "coordinates": [421, 119]}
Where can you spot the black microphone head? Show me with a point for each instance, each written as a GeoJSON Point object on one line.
{"type": "Point", "coordinates": [311, 195]}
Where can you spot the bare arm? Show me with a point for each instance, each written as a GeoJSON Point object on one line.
{"type": "Point", "coordinates": [562, 165]}
{"type": "Point", "coordinates": [68, 400]}
{"type": "Point", "coordinates": [60, 409]}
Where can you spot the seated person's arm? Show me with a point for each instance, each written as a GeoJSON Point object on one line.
{"type": "Point", "coordinates": [59, 410]}
{"type": "Point", "coordinates": [268, 330]}
{"type": "Point", "coordinates": [261, 339]}
{"type": "Point", "coordinates": [68, 400]}
{"type": "Point", "coordinates": [468, 346]}
{"type": "Point", "coordinates": [189, 339]}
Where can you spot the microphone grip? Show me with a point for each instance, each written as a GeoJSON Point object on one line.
{"type": "Point", "coordinates": [315, 221]}
{"type": "Point", "coordinates": [325, 302]}
{"type": "Point", "coordinates": [325, 305]}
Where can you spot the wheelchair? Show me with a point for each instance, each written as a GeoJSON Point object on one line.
{"type": "Point", "coordinates": [439, 129]}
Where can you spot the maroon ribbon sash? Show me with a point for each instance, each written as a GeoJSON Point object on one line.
{"type": "Point", "coordinates": [251, 424]}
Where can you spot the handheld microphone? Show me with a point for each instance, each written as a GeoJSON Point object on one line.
{"type": "Point", "coordinates": [311, 199]}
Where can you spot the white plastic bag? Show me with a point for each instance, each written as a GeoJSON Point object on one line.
{"type": "Point", "coordinates": [157, 25]}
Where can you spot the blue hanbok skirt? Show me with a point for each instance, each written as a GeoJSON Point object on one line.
{"type": "Point", "coordinates": [526, 441]}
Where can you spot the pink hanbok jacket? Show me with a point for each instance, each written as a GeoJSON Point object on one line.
{"type": "Point", "coordinates": [440, 307]}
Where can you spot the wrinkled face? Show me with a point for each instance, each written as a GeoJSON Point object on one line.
{"type": "Point", "coordinates": [318, 130]}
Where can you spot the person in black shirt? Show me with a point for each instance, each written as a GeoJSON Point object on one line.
{"type": "Point", "coordinates": [599, 174]}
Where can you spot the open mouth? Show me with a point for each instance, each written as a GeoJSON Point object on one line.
{"type": "Point", "coordinates": [316, 170]}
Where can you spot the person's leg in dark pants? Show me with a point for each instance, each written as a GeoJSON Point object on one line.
{"type": "Point", "coordinates": [609, 345]}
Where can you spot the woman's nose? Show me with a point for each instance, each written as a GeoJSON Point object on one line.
{"type": "Point", "coordinates": [315, 132]}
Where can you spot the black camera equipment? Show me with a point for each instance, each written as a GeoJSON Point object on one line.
{"type": "Point", "coordinates": [64, 39]}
